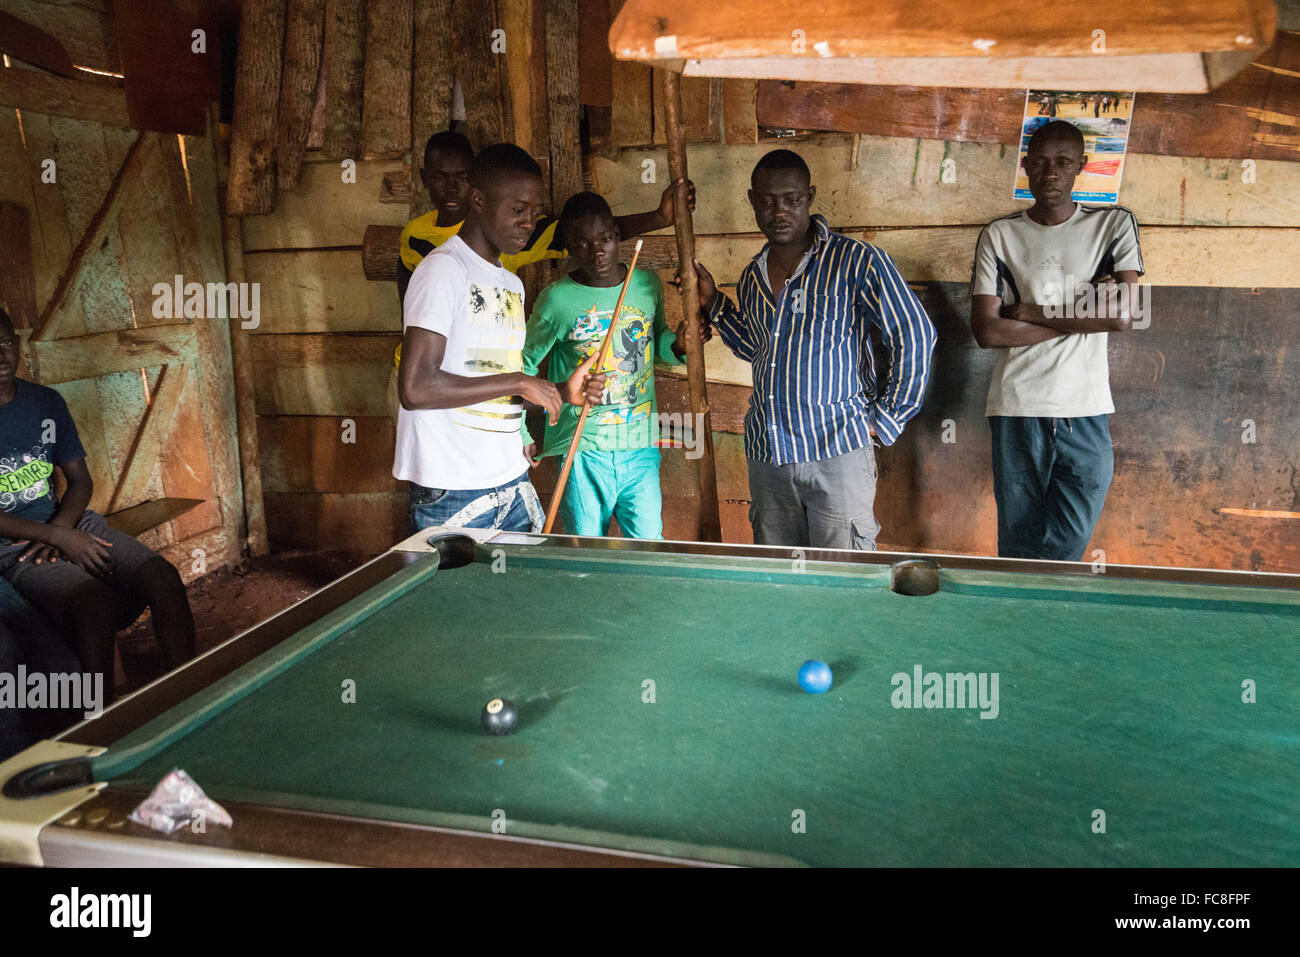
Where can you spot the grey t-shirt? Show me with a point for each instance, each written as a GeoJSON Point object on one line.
{"type": "Point", "coordinates": [1020, 260]}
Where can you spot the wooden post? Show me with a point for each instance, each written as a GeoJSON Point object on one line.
{"type": "Point", "coordinates": [431, 80]}
{"type": "Point", "coordinates": [563, 108]}
{"type": "Point", "coordinates": [478, 67]}
{"type": "Point", "coordinates": [710, 526]}
{"type": "Point", "coordinates": [344, 66]}
{"type": "Point", "coordinates": [245, 409]}
{"type": "Point", "coordinates": [302, 50]}
{"type": "Point", "coordinates": [386, 109]}
{"type": "Point", "coordinates": [381, 252]}
{"type": "Point", "coordinates": [251, 189]}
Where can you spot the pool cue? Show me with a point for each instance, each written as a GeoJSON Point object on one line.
{"type": "Point", "coordinates": [586, 403]}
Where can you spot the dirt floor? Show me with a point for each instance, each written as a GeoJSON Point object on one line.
{"type": "Point", "coordinates": [231, 599]}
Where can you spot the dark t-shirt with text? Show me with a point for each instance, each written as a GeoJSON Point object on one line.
{"type": "Point", "coordinates": [36, 434]}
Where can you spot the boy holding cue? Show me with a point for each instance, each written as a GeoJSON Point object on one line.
{"type": "Point", "coordinates": [615, 471]}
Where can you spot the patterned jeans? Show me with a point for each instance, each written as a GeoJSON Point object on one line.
{"type": "Point", "coordinates": [512, 507]}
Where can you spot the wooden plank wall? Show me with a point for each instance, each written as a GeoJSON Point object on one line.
{"type": "Point", "coordinates": [1221, 251]}
{"type": "Point", "coordinates": [322, 356]}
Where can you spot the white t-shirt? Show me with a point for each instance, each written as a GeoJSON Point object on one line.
{"type": "Point", "coordinates": [1023, 261]}
{"type": "Point", "coordinates": [479, 307]}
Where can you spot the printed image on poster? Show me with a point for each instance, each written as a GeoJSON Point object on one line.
{"type": "Point", "coordinates": [1103, 118]}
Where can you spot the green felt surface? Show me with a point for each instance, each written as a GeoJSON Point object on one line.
{"type": "Point", "coordinates": [1118, 697]}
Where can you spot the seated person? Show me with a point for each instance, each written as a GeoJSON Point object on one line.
{"type": "Point", "coordinates": [615, 470]}
{"type": "Point", "coordinates": [60, 556]}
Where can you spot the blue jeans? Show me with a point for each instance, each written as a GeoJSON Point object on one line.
{"type": "Point", "coordinates": [1050, 478]}
{"type": "Point", "coordinates": [512, 507]}
{"type": "Point", "coordinates": [621, 484]}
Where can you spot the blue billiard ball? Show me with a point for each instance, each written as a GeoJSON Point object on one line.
{"type": "Point", "coordinates": [815, 676]}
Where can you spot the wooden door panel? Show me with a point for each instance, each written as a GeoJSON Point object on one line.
{"type": "Point", "coordinates": [117, 220]}
{"type": "Point", "coordinates": [84, 404]}
{"type": "Point", "coordinates": [150, 245]}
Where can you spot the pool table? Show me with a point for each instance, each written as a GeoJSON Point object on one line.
{"type": "Point", "coordinates": [983, 712]}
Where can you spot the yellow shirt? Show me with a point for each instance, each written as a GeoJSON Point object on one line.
{"type": "Point", "coordinates": [423, 235]}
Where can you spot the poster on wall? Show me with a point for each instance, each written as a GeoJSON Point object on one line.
{"type": "Point", "coordinates": [1103, 119]}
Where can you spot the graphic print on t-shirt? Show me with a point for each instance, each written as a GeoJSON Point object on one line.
{"type": "Point", "coordinates": [496, 320]}
{"type": "Point", "coordinates": [24, 478]}
{"type": "Point", "coordinates": [628, 367]}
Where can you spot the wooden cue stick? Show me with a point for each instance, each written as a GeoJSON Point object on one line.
{"type": "Point", "coordinates": [586, 403]}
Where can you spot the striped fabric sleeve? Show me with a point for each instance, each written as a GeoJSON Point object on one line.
{"type": "Point", "coordinates": [729, 320]}
{"type": "Point", "coordinates": [908, 335]}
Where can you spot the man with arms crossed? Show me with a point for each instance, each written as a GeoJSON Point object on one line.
{"type": "Point", "coordinates": [1050, 397]}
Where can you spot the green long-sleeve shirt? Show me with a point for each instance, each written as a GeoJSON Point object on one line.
{"type": "Point", "coordinates": [569, 322]}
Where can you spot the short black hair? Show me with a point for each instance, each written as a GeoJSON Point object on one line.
{"type": "Point", "coordinates": [1057, 130]}
{"type": "Point", "coordinates": [448, 141]}
{"type": "Point", "coordinates": [582, 205]}
{"type": "Point", "coordinates": [4, 318]}
{"type": "Point", "coordinates": [501, 160]}
{"type": "Point", "coordinates": [781, 160]}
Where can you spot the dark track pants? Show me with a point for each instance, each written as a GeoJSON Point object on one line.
{"type": "Point", "coordinates": [1050, 478]}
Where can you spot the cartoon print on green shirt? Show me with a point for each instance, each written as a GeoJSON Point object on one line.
{"type": "Point", "coordinates": [568, 325]}
{"type": "Point", "coordinates": [628, 367]}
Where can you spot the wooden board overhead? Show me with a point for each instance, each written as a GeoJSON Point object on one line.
{"type": "Point", "coordinates": [1161, 45]}
{"type": "Point", "coordinates": [94, 98]}
{"type": "Point", "coordinates": [170, 76]}
{"type": "Point", "coordinates": [84, 28]}
{"type": "Point", "coordinates": [1252, 116]}
{"type": "Point", "coordinates": [22, 41]}
{"type": "Point", "coordinates": [250, 189]}
{"type": "Point", "coordinates": [478, 67]}
{"type": "Point", "coordinates": [595, 85]}
{"type": "Point", "coordinates": [562, 104]}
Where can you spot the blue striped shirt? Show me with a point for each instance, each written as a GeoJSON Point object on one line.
{"type": "Point", "coordinates": [815, 384]}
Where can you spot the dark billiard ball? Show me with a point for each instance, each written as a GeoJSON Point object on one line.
{"type": "Point", "coordinates": [499, 716]}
